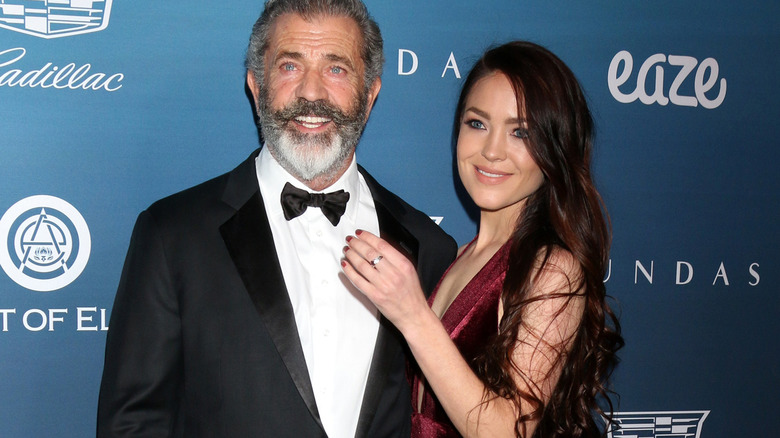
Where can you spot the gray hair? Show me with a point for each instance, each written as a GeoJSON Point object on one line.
{"type": "Point", "coordinates": [373, 56]}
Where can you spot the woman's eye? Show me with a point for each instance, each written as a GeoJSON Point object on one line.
{"type": "Point", "coordinates": [520, 133]}
{"type": "Point", "coordinates": [476, 124]}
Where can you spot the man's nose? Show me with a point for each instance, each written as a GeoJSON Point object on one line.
{"type": "Point", "coordinates": [312, 86]}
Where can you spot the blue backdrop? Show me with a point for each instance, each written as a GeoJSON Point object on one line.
{"type": "Point", "coordinates": [109, 107]}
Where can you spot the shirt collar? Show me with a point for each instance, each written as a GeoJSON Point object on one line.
{"type": "Point", "coordinates": [272, 177]}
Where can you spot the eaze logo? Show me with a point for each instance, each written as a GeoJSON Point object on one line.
{"type": "Point", "coordinates": [709, 91]}
{"type": "Point", "coordinates": [54, 18]}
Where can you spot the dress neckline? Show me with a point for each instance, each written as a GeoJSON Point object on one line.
{"type": "Point", "coordinates": [486, 269]}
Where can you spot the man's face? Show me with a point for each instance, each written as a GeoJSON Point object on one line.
{"type": "Point", "coordinates": [313, 103]}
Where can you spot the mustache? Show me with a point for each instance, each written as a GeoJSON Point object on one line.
{"type": "Point", "coordinates": [319, 108]}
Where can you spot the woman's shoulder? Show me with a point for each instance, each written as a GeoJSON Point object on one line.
{"type": "Point", "coordinates": [555, 269]}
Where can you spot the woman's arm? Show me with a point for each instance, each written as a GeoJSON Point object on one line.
{"type": "Point", "coordinates": [548, 326]}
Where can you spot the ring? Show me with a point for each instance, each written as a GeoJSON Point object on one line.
{"type": "Point", "coordinates": [375, 261]}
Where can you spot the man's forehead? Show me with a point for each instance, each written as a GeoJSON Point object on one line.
{"type": "Point", "coordinates": [336, 35]}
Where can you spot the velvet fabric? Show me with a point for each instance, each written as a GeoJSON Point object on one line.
{"type": "Point", "coordinates": [471, 320]}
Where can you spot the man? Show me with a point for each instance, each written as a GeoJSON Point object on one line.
{"type": "Point", "coordinates": [232, 318]}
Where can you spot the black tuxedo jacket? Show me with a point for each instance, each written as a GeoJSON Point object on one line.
{"type": "Point", "coordinates": [202, 339]}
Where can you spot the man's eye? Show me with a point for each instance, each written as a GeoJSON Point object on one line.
{"type": "Point", "coordinates": [336, 70]}
{"type": "Point", "coordinates": [288, 67]}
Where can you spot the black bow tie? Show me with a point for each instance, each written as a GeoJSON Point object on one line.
{"type": "Point", "coordinates": [295, 201]}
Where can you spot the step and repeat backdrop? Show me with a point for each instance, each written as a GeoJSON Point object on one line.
{"type": "Point", "coordinates": [107, 106]}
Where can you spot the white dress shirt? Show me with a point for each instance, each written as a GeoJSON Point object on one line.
{"type": "Point", "coordinates": [336, 323]}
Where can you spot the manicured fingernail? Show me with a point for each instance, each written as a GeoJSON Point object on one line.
{"type": "Point", "coordinates": [345, 249]}
{"type": "Point", "coordinates": [349, 238]}
{"type": "Point", "coordinates": [343, 264]}
{"type": "Point", "coordinates": [358, 232]}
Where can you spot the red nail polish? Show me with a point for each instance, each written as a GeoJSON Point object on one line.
{"type": "Point", "coordinates": [358, 232]}
{"type": "Point", "coordinates": [343, 264]}
{"type": "Point", "coordinates": [345, 249]}
{"type": "Point", "coordinates": [349, 238]}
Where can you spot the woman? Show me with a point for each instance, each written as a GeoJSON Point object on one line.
{"type": "Point", "coordinates": [518, 339]}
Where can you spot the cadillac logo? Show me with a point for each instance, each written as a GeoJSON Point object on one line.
{"type": "Point", "coordinates": [670, 424]}
{"type": "Point", "coordinates": [54, 18]}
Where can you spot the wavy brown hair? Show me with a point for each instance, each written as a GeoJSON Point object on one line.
{"type": "Point", "coordinates": [565, 214]}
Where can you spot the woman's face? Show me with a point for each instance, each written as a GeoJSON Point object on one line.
{"type": "Point", "coordinates": [493, 158]}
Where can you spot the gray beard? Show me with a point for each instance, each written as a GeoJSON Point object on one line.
{"type": "Point", "coordinates": [311, 156]}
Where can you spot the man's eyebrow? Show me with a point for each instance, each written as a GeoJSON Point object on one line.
{"type": "Point", "coordinates": [289, 55]}
{"type": "Point", "coordinates": [342, 59]}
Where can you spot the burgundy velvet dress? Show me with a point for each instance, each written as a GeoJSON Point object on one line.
{"type": "Point", "coordinates": [470, 320]}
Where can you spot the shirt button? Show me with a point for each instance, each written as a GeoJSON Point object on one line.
{"type": "Point", "coordinates": [319, 233]}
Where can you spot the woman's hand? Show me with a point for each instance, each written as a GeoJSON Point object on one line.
{"type": "Point", "coordinates": [386, 277]}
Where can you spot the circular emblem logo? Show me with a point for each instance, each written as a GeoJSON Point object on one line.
{"type": "Point", "coordinates": [44, 244]}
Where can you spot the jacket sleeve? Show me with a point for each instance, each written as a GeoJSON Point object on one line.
{"type": "Point", "coordinates": [142, 375]}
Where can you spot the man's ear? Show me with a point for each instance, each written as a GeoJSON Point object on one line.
{"type": "Point", "coordinates": [373, 92]}
{"type": "Point", "coordinates": [252, 84]}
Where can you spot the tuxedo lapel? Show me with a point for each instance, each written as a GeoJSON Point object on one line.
{"type": "Point", "coordinates": [381, 364]}
{"type": "Point", "coordinates": [390, 214]}
{"type": "Point", "coordinates": [389, 343]}
{"type": "Point", "coordinates": [249, 241]}
{"type": "Point", "coordinates": [248, 238]}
